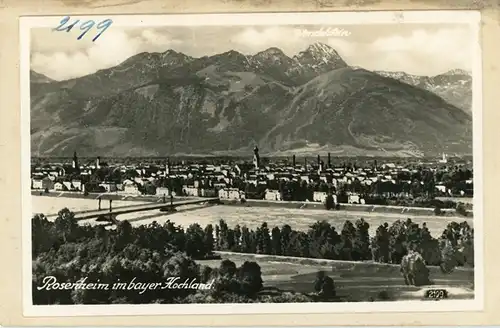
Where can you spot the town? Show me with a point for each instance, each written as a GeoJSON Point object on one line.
{"type": "Point", "coordinates": [408, 184]}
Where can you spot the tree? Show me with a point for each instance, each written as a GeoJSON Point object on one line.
{"type": "Point", "coordinates": [276, 241]}
{"type": "Point", "coordinates": [324, 285]}
{"type": "Point", "coordinates": [263, 240]}
{"type": "Point", "coordinates": [209, 239]}
{"type": "Point", "coordinates": [461, 209]}
{"type": "Point", "coordinates": [251, 278]}
{"type": "Point", "coordinates": [195, 241]}
{"type": "Point", "coordinates": [329, 202]}
{"type": "Point", "coordinates": [246, 240]}
{"type": "Point", "coordinates": [437, 210]}
{"type": "Point", "coordinates": [380, 247]}
{"type": "Point", "coordinates": [362, 240]}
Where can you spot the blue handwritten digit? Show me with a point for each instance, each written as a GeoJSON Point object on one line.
{"type": "Point", "coordinates": [103, 26]}
{"type": "Point", "coordinates": [86, 26]}
{"type": "Point", "coordinates": [72, 25]}
{"type": "Point", "coordinates": [61, 24]}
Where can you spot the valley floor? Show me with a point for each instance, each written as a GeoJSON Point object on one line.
{"type": "Point", "coordinates": [354, 281]}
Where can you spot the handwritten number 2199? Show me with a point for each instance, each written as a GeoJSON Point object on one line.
{"type": "Point", "coordinates": [85, 26]}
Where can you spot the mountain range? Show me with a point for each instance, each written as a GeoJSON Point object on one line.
{"type": "Point", "coordinates": [159, 104]}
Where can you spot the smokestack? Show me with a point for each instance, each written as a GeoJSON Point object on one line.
{"type": "Point", "coordinates": [319, 161]}
{"type": "Point", "coordinates": [98, 162]}
{"type": "Point", "coordinates": [329, 161]}
{"type": "Point", "coordinates": [293, 160]}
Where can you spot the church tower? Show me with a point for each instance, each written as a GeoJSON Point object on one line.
{"type": "Point", "coordinates": [75, 161]}
{"type": "Point", "coordinates": [256, 157]}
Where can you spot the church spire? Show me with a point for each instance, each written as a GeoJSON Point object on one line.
{"type": "Point", "coordinates": [256, 157]}
{"type": "Point", "coordinates": [75, 161]}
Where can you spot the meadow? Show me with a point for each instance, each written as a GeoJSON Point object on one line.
{"type": "Point", "coordinates": [354, 281]}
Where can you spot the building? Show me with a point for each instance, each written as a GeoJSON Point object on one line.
{"type": "Point", "coordinates": [131, 187]}
{"type": "Point", "coordinates": [75, 162]}
{"type": "Point", "coordinates": [160, 191]}
{"type": "Point", "coordinates": [191, 191]}
{"type": "Point", "coordinates": [443, 160]}
{"type": "Point", "coordinates": [109, 186]}
{"type": "Point", "coordinates": [59, 186]}
{"type": "Point", "coordinates": [319, 196]}
{"type": "Point", "coordinates": [205, 192]}
{"type": "Point", "coordinates": [77, 185]}
{"type": "Point", "coordinates": [355, 199]}
{"type": "Point", "coordinates": [42, 183]}
{"type": "Point", "coordinates": [272, 195]}
{"type": "Point", "coordinates": [231, 193]}
{"type": "Point", "coordinates": [256, 158]}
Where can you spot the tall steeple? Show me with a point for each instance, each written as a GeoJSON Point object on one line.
{"type": "Point", "coordinates": [75, 161]}
{"type": "Point", "coordinates": [256, 157]}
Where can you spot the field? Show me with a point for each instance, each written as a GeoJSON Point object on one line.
{"type": "Point", "coordinates": [252, 217]}
{"type": "Point", "coordinates": [355, 281]}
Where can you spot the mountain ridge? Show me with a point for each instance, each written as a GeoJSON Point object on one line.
{"type": "Point", "coordinates": [165, 103]}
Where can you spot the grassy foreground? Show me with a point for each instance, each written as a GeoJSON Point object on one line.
{"type": "Point", "coordinates": [355, 281]}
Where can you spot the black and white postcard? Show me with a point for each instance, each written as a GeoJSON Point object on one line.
{"type": "Point", "coordinates": [251, 163]}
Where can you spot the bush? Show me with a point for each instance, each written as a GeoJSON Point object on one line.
{"type": "Point", "coordinates": [437, 210]}
{"type": "Point", "coordinates": [460, 209]}
{"type": "Point", "coordinates": [329, 202]}
{"type": "Point", "coordinates": [384, 295]}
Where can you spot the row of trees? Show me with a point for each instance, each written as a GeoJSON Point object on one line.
{"type": "Point", "coordinates": [353, 243]}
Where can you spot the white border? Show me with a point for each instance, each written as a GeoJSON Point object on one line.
{"type": "Point", "coordinates": [337, 18]}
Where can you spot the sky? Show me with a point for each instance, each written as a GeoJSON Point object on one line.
{"type": "Point", "coordinates": [428, 49]}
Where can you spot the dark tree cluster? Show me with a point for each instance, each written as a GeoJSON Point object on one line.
{"type": "Point", "coordinates": [150, 254]}
{"type": "Point", "coordinates": [389, 244]}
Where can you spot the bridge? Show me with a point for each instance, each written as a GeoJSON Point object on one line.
{"type": "Point", "coordinates": [111, 214]}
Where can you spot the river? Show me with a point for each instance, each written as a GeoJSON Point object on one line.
{"type": "Point", "coordinates": [252, 217]}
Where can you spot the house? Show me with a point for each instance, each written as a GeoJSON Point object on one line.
{"type": "Point", "coordinates": [441, 188]}
{"type": "Point", "coordinates": [205, 192]}
{"type": "Point", "coordinates": [131, 187]}
{"type": "Point", "coordinates": [160, 191]}
{"type": "Point", "coordinates": [223, 194]}
{"type": "Point", "coordinates": [77, 185]}
{"type": "Point", "coordinates": [272, 195]}
{"type": "Point", "coordinates": [231, 193]}
{"type": "Point", "coordinates": [59, 186]}
{"type": "Point", "coordinates": [42, 183]}
{"type": "Point", "coordinates": [319, 196]}
{"type": "Point", "coordinates": [68, 185]}
{"type": "Point", "coordinates": [109, 186]}
{"type": "Point", "coordinates": [355, 199]}
{"type": "Point", "coordinates": [191, 191]}
{"type": "Point", "coordinates": [234, 193]}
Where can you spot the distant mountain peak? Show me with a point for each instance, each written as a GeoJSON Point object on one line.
{"type": "Point", "coordinates": [320, 54]}
{"type": "Point", "coordinates": [457, 71]}
{"type": "Point", "coordinates": [271, 51]}
{"type": "Point", "coordinates": [231, 53]}
{"type": "Point", "coordinates": [39, 78]}
{"type": "Point", "coordinates": [322, 47]}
